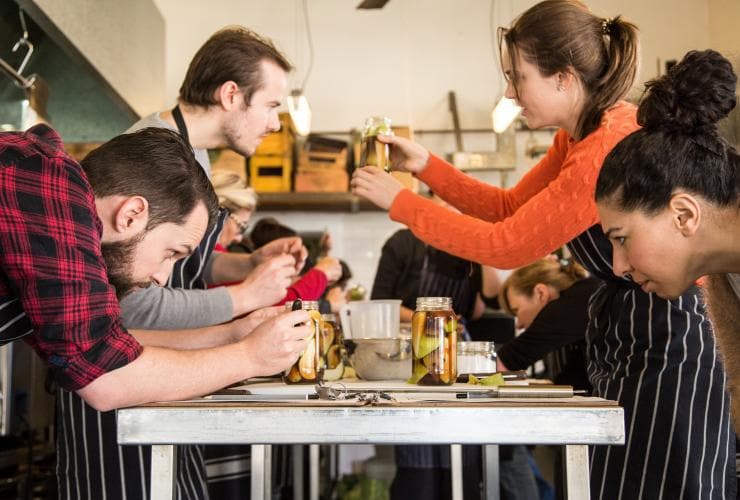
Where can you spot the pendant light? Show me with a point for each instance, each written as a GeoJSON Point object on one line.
{"type": "Point", "coordinates": [504, 114]}
{"type": "Point", "coordinates": [298, 107]}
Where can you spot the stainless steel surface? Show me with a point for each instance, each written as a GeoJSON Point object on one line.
{"type": "Point", "coordinates": [590, 422]}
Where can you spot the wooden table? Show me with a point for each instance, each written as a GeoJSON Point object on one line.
{"type": "Point", "coordinates": [573, 422]}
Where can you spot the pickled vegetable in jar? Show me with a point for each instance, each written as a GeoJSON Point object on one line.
{"type": "Point", "coordinates": [372, 151]}
{"type": "Point", "coordinates": [332, 348]}
{"type": "Point", "coordinates": [434, 342]}
{"type": "Point", "coordinates": [310, 365]}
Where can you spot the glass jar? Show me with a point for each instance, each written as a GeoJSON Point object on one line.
{"type": "Point", "coordinates": [476, 358]}
{"type": "Point", "coordinates": [310, 365]}
{"type": "Point", "coordinates": [434, 342]}
{"type": "Point", "coordinates": [372, 151]}
{"type": "Point", "coordinates": [333, 351]}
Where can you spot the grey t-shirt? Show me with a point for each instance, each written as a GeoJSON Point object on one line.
{"type": "Point", "coordinates": [158, 308]}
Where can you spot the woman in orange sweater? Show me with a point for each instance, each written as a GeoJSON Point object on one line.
{"type": "Point", "coordinates": [570, 69]}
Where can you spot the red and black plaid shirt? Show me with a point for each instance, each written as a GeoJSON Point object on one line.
{"type": "Point", "coordinates": [54, 289]}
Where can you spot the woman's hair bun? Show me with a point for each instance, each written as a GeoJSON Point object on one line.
{"type": "Point", "coordinates": [695, 93]}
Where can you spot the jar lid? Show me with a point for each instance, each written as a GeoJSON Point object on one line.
{"type": "Point", "coordinates": [475, 347]}
{"type": "Point", "coordinates": [433, 303]}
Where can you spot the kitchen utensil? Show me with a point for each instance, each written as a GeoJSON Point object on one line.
{"type": "Point", "coordinates": [371, 319]}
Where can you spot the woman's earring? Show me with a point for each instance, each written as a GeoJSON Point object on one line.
{"type": "Point", "coordinates": [560, 87]}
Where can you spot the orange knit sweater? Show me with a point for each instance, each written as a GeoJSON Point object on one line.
{"type": "Point", "coordinates": [507, 228]}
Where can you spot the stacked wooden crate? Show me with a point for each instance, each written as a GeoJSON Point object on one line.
{"type": "Point", "coordinates": [270, 167]}
{"type": "Point", "coordinates": [322, 166]}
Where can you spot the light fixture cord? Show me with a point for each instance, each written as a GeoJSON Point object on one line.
{"type": "Point", "coordinates": [310, 45]}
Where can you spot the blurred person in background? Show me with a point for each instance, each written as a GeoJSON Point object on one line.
{"type": "Point", "coordinates": [241, 202]}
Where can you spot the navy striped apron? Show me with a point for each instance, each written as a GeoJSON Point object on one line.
{"type": "Point", "coordinates": [657, 358]}
{"type": "Point", "coordinates": [88, 455]}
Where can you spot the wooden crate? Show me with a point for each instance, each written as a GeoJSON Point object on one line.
{"type": "Point", "coordinates": [270, 174]}
{"type": "Point", "coordinates": [321, 180]}
{"type": "Point", "coordinates": [309, 160]}
{"type": "Point", "coordinates": [279, 143]}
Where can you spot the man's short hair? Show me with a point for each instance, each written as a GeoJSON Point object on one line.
{"type": "Point", "coordinates": [157, 164]}
{"type": "Point", "coordinates": [233, 54]}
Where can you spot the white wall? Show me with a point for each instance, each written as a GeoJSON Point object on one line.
{"type": "Point", "coordinates": [401, 61]}
{"type": "Point", "coordinates": [124, 41]}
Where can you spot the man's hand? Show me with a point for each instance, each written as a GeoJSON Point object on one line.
{"type": "Point", "coordinates": [244, 326]}
{"type": "Point", "coordinates": [331, 267]}
{"type": "Point", "coordinates": [276, 344]}
{"type": "Point", "coordinates": [265, 285]}
{"type": "Point", "coordinates": [291, 246]}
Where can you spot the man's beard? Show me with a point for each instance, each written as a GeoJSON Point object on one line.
{"type": "Point", "coordinates": [118, 257]}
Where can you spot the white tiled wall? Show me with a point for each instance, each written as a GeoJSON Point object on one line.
{"type": "Point", "coordinates": [356, 237]}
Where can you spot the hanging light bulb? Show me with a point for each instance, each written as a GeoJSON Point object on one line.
{"type": "Point", "coordinates": [300, 112]}
{"type": "Point", "coordinates": [298, 107]}
{"type": "Point", "coordinates": [504, 114]}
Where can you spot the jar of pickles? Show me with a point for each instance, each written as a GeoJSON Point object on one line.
{"type": "Point", "coordinates": [434, 342]}
{"type": "Point", "coordinates": [332, 348]}
{"type": "Point", "coordinates": [310, 365]}
{"type": "Point", "coordinates": [372, 151]}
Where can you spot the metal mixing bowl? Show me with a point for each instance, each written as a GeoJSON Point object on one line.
{"type": "Point", "coordinates": [380, 359]}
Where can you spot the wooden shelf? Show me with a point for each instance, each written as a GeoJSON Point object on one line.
{"type": "Point", "coordinates": [314, 202]}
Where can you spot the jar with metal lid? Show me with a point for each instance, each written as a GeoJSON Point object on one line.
{"type": "Point", "coordinates": [310, 365]}
{"type": "Point", "coordinates": [372, 151]}
{"type": "Point", "coordinates": [476, 358]}
{"type": "Point", "coordinates": [434, 342]}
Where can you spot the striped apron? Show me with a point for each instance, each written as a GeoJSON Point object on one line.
{"type": "Point", "coordinates": [657, 358]}
{"type": "Point", "coordinates": [90, 464]}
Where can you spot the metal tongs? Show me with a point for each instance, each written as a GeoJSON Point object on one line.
{"type": "Point", "coordinates": [334, 393]}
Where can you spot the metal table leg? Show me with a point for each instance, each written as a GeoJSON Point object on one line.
{"type": "Point", "coordinates": [313, 460]}
{"type": "Point", "coordinates": [258, 489]}
{"type": "Point", "coordinates": [490, 474]}
{"type": "Point", "coordinates": [164, 471]}
{"type": "Point", "coordinates": [576, 471]}
{"type": "Point", "coordinates": [268, 472]}
{"type": "Point", "coordinates": [297, 453]}
{"type": "Point", "coordinates": [456, 471]}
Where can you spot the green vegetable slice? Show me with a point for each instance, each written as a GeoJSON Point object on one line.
{"type": "Point", "coordinates": [426, 345]}
{"type": "Point", "coordinates": [420, 372]}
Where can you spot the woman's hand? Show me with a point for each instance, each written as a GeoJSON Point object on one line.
{"type": "Point", "coordinates": [406, 155]}
{"type": "Point", "coordinates": [376, 186]}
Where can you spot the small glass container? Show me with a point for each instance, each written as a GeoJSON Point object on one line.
{"type": "Point", "coordinates": [310, 365]}
{"type": "Point", "coordinates": [434, 342]}
{"type": "Point", "coordinates": [372, 151]}
{"type": "Point", "coordinates": [476, 358]}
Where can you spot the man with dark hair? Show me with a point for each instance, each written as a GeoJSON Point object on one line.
{"type": "Point", "coordinates": [156, 205]}
{"type": "Point", "coordinates": [230, 96]}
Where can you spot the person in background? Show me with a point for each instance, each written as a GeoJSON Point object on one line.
{"type": "Point", "coordinates": [240, 200]}
{"type": "Point", "coordinates": [73, 238]}
{"type": "Point", "coordinates": [230, 97]}
{"type": "Point", "coordinates": [314, 279]}
{"type": "Point", "coordinates": [571, 69]}
{"type": "Point", "coordinates": [409, 268]}
{"type": "Point", "coordinates": [335, 295]}
{"type": "Point", "coordinates": [669, 198]}
{"type": "Point", "coordinates": [549, 299]}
